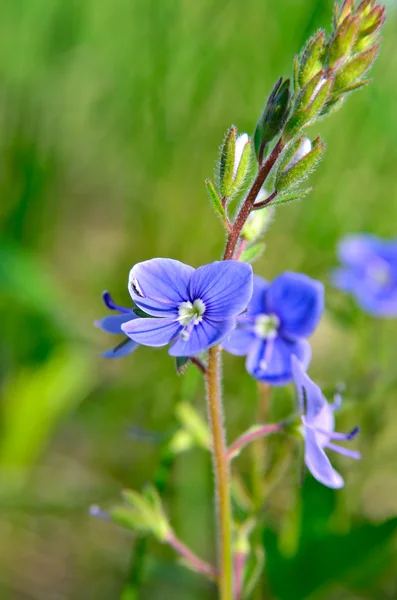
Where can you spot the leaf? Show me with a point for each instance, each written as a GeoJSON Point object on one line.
{"type": "Point", "coordinates": [291, 196]}
{"type": "Point", "coordinates": [355, 68]}
{"type": "Point", "coordinates": [253, 252]}
{"type": "Point", "coordinates": [227, 162]}
{"type": "Point", "coordinates": [310, 60]}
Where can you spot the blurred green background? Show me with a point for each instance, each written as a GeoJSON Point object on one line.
{"type": "Point", "coordinates": [111, 113]}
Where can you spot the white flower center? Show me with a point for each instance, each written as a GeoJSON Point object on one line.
{"type": "Point", "coordinates": [191, 313]}
{"type": "Point", "coordinates": [380, 274]}
{"type": "Point", "coordinates": [266, 326]}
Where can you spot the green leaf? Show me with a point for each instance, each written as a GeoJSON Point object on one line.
{"type": "Point", "coordinates": [288, 197]}
{"type": "Point", "coordinates": [295, 125]}
{"type": "Point", "coordinates": [243, 167]}
{"type": "Point", "coordinates": [227, 162]}
{"type": "Point", "coordinates": [193, 422]}
{"type": "Point", "coordinates": [215, 199]}
{"type": "Point", "coordinates": [182, 363]}
{"type": "Point", "coordinates": [343, 42]}
{"type": "Point", "coordinates": [253, 252]}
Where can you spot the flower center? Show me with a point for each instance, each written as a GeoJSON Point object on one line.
{"type": "Point", "coordinates": [266, 326]}
{"type": "Point", "coordinates": [380, 274]}
{"type": "Point", "coordinates": [191, 313]}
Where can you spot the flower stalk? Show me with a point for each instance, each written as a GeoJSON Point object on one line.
{"type": "Point", "coordinates": [222, 476]}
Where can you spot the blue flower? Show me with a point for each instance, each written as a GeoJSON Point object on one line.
{"type": "Point", "coordinates": [369, 273]}
{"type": "Point", "coordinates": [318, 428]}
{"type": "Point", "coordinates": [192, 309]}
{"type": "Point", "coordinates": [278, 319]}
{"type": "Point", "coordinates": [113, 323]}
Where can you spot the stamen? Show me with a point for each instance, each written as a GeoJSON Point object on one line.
{"type": "Point", "coordinates": [266, 326]}
{"type": "Point", "coordinates": [111, 305]}
{"type": "Point", "coordinates": [333, 435]}
{"type": "Point", "coordinates": [264, 363]}
{"type": "Point", "coordinates": [344, 451]}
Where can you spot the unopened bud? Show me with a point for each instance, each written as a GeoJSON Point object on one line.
{"type": "Point", "coordinates": [351, 73]}
{"type": "Point", "coordinates": [258, 221]}
{"type": "Point", "coordinates": [273, 117]}
{"type": "Point", "coordinates": [304, 161]}
{"type": "Point", "coordinates": [304, 148]}
{"type": "Point", "coordinates": [311, 60]}
{"type": "Point", "coordinates": [343, 41]}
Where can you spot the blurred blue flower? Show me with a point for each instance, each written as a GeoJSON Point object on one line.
{"type": "Point", "coordinates": [113, 323]}
{"type": "Point", "coordinates": [278, 319]}
{"type": "Point", "coordinates": [197, 307]}
{"type": "Point", "coordinates": [318, 428]}
{"type": "Point", "coordinates": [369, 273]}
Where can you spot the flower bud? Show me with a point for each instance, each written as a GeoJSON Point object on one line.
{"type": "Point", "coordinates": [258, 221]}
{"type": "Point", "coordinates": [346, 9]}
{"type": "Point", "coordinates": [311, 60]}
{"type": "Point", "coordinates": [300, 164]}
{"type": "Point", "coordinates": [234, 163]}
{"type": "Point", "coordinates": [273, 117]}
{"type": "Point", "coordinates": [351, 72]}
{"type": "Point", "coordinates": [343, 41]}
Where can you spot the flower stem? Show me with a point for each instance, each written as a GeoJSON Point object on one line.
{"type": "Point", "coordinates": [222, 477]}
{"type": "Point", "coordinates": [194, 561]}
{"type": "Point", "coordinates": [251, 436]}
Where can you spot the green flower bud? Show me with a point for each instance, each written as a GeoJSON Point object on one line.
{"type": "Point", "coordinates": [258, 221]}
{"type": "Point", "coordinates": [226, 166]}
{"type": "Point", "coordinates": [352, 71]}
{"type": "Point", "coordinates": [301, 165]}
{"type": "Point", "coordinates": [311, 58]}
{"type": "Point", "coordinates": [273, 117]}
{"type": "Point", "coordinates": [346, 9]}
{"type": "Point", "coordinates": [343, 41]}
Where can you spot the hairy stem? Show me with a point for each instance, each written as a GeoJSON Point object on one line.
{"type": "Point", "coordinates": [250, 200]}
{"type": "Point", "coordinates": [222, 476]}
{"type": "Point", "coordinates": [194, 561]}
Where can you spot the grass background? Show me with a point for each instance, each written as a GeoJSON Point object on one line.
{"type": "Point", "coordinates": [111, 113]}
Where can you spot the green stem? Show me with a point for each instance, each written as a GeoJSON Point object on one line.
{"type": "Point", "coordinates": [222, 476]}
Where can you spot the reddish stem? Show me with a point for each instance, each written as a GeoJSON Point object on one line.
{"type": "Point", "coordinates": [194, 561]}
{"type": "Point", "coordinates": [239, 564]}
{"type": "Point", "coordinates": [250, 436]}
{"type": "Point", "coordinates": [250, 200]}
{"type": "Point", "coordinates": [260, 205]}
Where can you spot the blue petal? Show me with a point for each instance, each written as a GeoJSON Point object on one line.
{"type": "Point", "coordinates": [345, 279]}
{"type": "Point", "coordinates": [319, 464]}
{"type": "Point", "coordinates": [126, 347]}
{"type": "Point", "coordinates": [204, 335]}
{"type": "Point", "coordinates": [257, 304]}
{"type": "Point", "coordinates": [162, 284]}
{"type": "Point", "coordinates": [152, 332]}
{"type": "Point", "coordinates": [113, 323]}
{"type": "Point", "coordinates": [279, 368]}
{"type": "Point", "coordinates": [298, 301]}
{"type": "Point", "coordinates": [225, 287]}
{"type": "Point", "coordinates": [311, 400]}
{"type": "Point", "coordinates": [355, 250]}
{"type": "Point", "coordinates": [239, 341]}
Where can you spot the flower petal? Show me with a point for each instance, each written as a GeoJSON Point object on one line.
{"type": "Point", "coordinates": [152, 332]}
{"type": "Point", "coordinates": [257, 304]}
{"type": "Point", "coordinates": [278, 368]}
{"type": "Point", "coordinates": [126, 347]}
{"type": "Point", "coordinates": [163, 283]}
{"type": "Point", "coordinates": [310, 397]}
{"type": "Point", "coordinates": [298, 301]}
{"type": "Point", "coordinates": [225, 287]}
{"type": "Point", "coordinates": [203, 336]}
{"type": "Point", "coordinates": [355, 250]}
{"type": "Point", "coordinates": [319, 464]}
{"type": "Point", "coordinates": [113, 323]}
{"type": "Point", "coordinates": [239, 341]}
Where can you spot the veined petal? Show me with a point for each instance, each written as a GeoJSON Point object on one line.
{"type": "Point", "coordinates": [257, 304]}
{"type": "Point", "coordinates": [311, 400]}
{"type": "Point", "coordinates": [113, 323]}
{"type": "Point", "coordinates": [274, 366]}
{"type": "Point", "coordinates": [225, 287]}
{"type": "Point", "coordinates": [298, 301]}
{"type": "Point", "coordinates": [319, 464]}
{"type": "Point", "coordinates": [239, 341]}
{"type": "Point", "coordinates": [159, 285]}
{"type": "Point", "coordinates": [203, 335]}
{"type": "Point", "coordinates": [152, 332]}
{"type": "Point", "coordinates": [125, 347]}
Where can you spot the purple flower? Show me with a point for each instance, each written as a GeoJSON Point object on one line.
{"type": "Point", "coordinates": [318, 428]}
{"type": "Point", "coordinates": [278, 319]}
{"type": "Point", "coordinates": [192, 309]}
{"type": "Point", "coordinates": [369, 273]}
{"type": "Point", "coordinates": [113, 323]}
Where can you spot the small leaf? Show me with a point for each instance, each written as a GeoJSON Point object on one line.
{"type": "Point", "coordinates": [320, 99]}
{"type": "Point", "coordinates": [227, 162]}
{"type": "Point", "coordinates": [295, 125]}
{"type": "Point", "coordinates": [343, 42]}
{"type": "Point", "coordinates": [253, 252]}
{"type": "Point", "coordinates": [346, 9]}
{"type": "Point", "coordinates": [124, 517]}
{"type": "Point", "coordinates": [182, 363]}
{"type": "Point", "coordinates": [243, 167]}
{"type": "Point", "coordinates": [306, 96]}
{"type": "Point", "coordinates": [215, 199]}
{"type": "Point", "coordinates": [288, 197]}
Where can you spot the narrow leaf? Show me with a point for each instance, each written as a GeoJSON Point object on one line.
{"type": "Point", "coordinates": [215, 199]}
{"type": "Point", "coordinates": [227, 162]}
